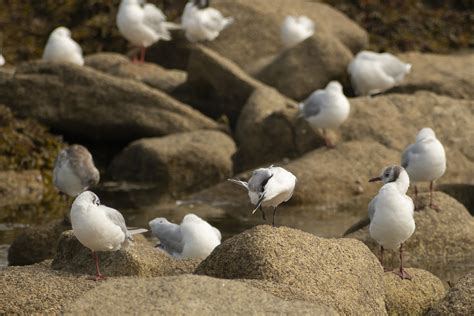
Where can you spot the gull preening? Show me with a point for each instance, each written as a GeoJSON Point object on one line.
{"type": "Point", "coordinates": [193, 238]}
{"type": "Point", "coordinates": [391, 214]}
{"type": "Point", "coordinates": [425, 161]}
{"type": "Point", "coordinates": [326, 108]}
{"type": "Point", "coordinates": [74, 170]}
{"type": "Point", "coordinates": [202, 23]}
{"type": "Point", "coordinates": [373, 73]}
{"type": "Point", "coordinates": [269, 187]}
{"type": "Point", "coordinates": [62, 48]}
{"type": "Point", "coordinates": [296, 29]}
{"type": "Point", "coordinates": [98, 227]}
{"type": "Point", "coordinates": [143, 24]}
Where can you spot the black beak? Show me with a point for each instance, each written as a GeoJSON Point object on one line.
{"type": "Point", "coordinates": [375, 179]}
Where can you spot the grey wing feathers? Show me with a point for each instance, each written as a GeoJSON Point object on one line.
{"type": "Point", "coordinates": [312, 106]}
{"type": "Point", "coordinates": [82, 163]}
{"type": "Point", "coordinates": [154, 19]}
{"type": "Point", "coordinates": [170, 237]}
{"type": "Point", "coordinates": [259, 179]}
{"type": "Point", "coordinates": [405, 156]}
{"type": "Point", "coordinates": [117, 218]}
{"type": "Point", "coordinates": [371, 208]}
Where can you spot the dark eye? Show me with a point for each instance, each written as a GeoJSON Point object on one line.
{"type": "Point", "coordinates": [96, 201]}
{"type": "Point", "coordinates": [387, 175]}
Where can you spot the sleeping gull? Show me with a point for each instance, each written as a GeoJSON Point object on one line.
{"type": "Point", "coordinates": [269, 187]}
{"type": "Point", "coordinates": [296, 29]}
{"type": "Point", "coordinates": [62, 48]}
{"type": "Point", "coordinates": [203, 24]}
{"type": "Point", "coordinates": [143, 24]}
{"type": "Point", "coordinates": [74, 170]}
{"type": "Point", "coordinates": [327, 108]}
{"type": "Point", "coordinates": [425, 160]}
{"type": "Point", "coordinates": [193, 238]}
{"type": "Point", "coordinates": [98, 227]}
{"type": "Point", "coordinates": [391, 214]}
{"type": "Point", "coordinates": [373, 73]}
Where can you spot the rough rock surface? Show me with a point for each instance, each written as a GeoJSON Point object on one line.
{"type": "Point", "coordinates": [450, 75]}
{"type": "Point", "coordinates": [177, 163]}
{"type": "Point", "coordinates": [151, 74]}
{"type": "Point", "coordinates": [445, 234]}
{"type": "Point", "coordinates": [459, 300]}
{"type": "Point", "coordinates": [140, 259]}
{"type": "Point", "coordinates": [394, 120]}
{"type": "Point", "coordinates": [37, 243]}
{"type": "Point", "coordinates": [412, 297]}
{"type": "Point", "coordinates": [295, 265]}
{"type": "Point", "coordinates": [187, 295]}
{"type": "Point", "coordinates": [462, 192]}
{"type": "Point", "coordinates": [308, 66]}
{"type": "Point", "coordinates": [256, 31]}
{"type": "Point", "coordinates": [95, 105]}
{"type": "Point", "coordinates": [37, 289]}
{"type": "Point", "coordinates": [20, 187]}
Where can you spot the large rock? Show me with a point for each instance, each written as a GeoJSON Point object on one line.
{"type": "Point", "coordinates": [37, 289]}
{"type": "Point", "coordinates": [459, 300]}
{"type": "Point", "coordinates": [177, 163]}
{"type": "Point", "coordinates": [394, 120]}
{"type": "Point", "coordinates": [139, 259]}
{"type": "Point", "coordinates": [308, 66]}
{"type": "Point", "coordinates": [187, 295]}
{"type": "Point", "coordinates": [20, 187]}
{"type": "Point", "coordinates": [36, 243]}
{"type": "Point", "coordinates": [412, 297]}
{"type": "Point", "coordinates": [294, 265]}
{"type": "Point", "coordinates": [151, 74]}
{"type": "Point", "coordinates": [463, 192]}
{"type": "Point", "coordinates": [86, 103]}
{"type": "Point", "coordinates": [255, 33]}
{"type": "Point", "coordinates": [450, 75]}
{"type": "Point", "coordinates": [446, 234]}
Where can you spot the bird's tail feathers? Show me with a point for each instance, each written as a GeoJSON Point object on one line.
{"type": "Point", "coordinates": [228, 21]}
{"type": "Point", "coordinates": [359, 225]}
{"type": "Point", "coordinates": [172, 26]}
{"type": "Point", "coordinates": [259, 203]}
{"type": "Point", "coordinates": [239, 182]}
{"type": "Point", "coordinates": [135, 230]}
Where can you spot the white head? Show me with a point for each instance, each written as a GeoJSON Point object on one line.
{"type": "Point", "coordinates": [334, 86]}
{"type": "Point", "coordinates": [191, 218]}
{"type": "Point", "coordinates": [132, 2]}
{"type": "Point", "coordinates": [395, 174]}
{"type": "Point", "coordinates": [425, 133]}
{"type": "Point", "coordinates": [61, 32]}
{"type": "Point", "coordinates": [86, 198]}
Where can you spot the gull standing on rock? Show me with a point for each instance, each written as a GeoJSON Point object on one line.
{"type": "Point", "coordinates": [62, 48]}
{"type": "Point", "coordinates": [98, 227]}
{"type": "Point", "coordinates": [143, 24]}
{"type": "Point", "coordinates": [193, 238]}
{"type": "Point", "coordinates": [269, 187]}
{"type": "Point", "coordinates": [425, 161]}
{"type": "Point", "coordinates": [327, 108]}
{"type": "Point", "coordinates": [74, 170]}
{"type": "Point", "coordinates": [202, 23]}
{"type": "Point", "coordinates": [373, 73]}
{"type": "Point", "coordinates": [296, 29]}
{"type": "Point", "coordinates": [391, 214]}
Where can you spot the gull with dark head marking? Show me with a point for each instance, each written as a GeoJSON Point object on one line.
{"type": "Point", "coordinates": [269, 187]}
{"type": "Point", "coordinates": [193, 238]}
{"type": "Point", "coordinates": [99, 228]}
{"type": "Point", "coordinates": [74, 170]}
{"type": "Point", "coordinates": [326, 109]}
{"type": "Point", "coordinates": [296, 29]}
{"type": "Point", "coordinates": [372, 73]}
{"type": "Point", "coordinates": [62, 48]}
{"type": "Point", "coordinates": [425, 161]}
{"type": "Point", "coordinates": [391, 213]}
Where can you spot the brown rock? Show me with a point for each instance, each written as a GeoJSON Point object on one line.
{"type": "Point", "coordinates": [20, 187]}
{"type": "Point", "coordinates": [187, 295]}
{"type": "Point", "coordinates": [412, 297]}
{"type": "Point", "coordinates": [95, 105]}
{"type": "Point", "coordinates": [294, 265]}
{"type": "Point", "coordinates": [140, 259]}
{"type": "Point", "coordinates": [308, 66]}
{"type": "Point", "coordinates": [150, 74]}
{"type": "Point", "coordinates": [177, 163]}
{"type": "Point", "coordinates": [462, 192]}
{"type": "Point", "coordinates": [459, 300]}
{"type": "Point", "coordinates": [37, 243]}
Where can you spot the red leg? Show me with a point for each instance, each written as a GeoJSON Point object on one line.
{"type": "Point", "coordinates": [433, 206]}
{"type": "Point", "coordinates": [328, 142]}
{"type": "Point", "coordinates": [98, 275]}
{"type": "Point", "coordinates": [417, 207]}
{"type": "Point", "coordinates": [142, 54]}
{"type": "Point", "coordinates": [401, 272]}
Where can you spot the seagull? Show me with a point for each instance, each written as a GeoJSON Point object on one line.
{"type": "Point", "coordinates": [269, 187]}
{"type": "Point", "coordinates": [62, 48]}
{"type": "Point", "coordinates": [193, 238]}
{"type": "Point", "coordinates": [74, 170]}
{"type": "Point", "coordinates": [425, 160]}
{"type": "Point", "coordinates": [391, 214]}
{"type": "Point", "coordinates": [326, 108]}
{"type": "Point", "coordinates": [202, 23]}
{"type": "Point", "coordinates": [373, 73]}
{"type": "Point", "coordinates": [143, 24]}
{"type": "Point", "coordinates": [296, 29]}
{"type": "Point", "coordinates": [2, 60]}
{"type": "Point", "coordinates": [99, 228]}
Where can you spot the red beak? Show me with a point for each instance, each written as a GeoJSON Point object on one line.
{"type": "Point", "coordinates": [375, 179]}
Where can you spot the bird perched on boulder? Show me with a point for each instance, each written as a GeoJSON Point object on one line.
{"type": "Point", "coordinates": [296, 29]}
{"type": "Point", "coordinates": [62, 48]}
